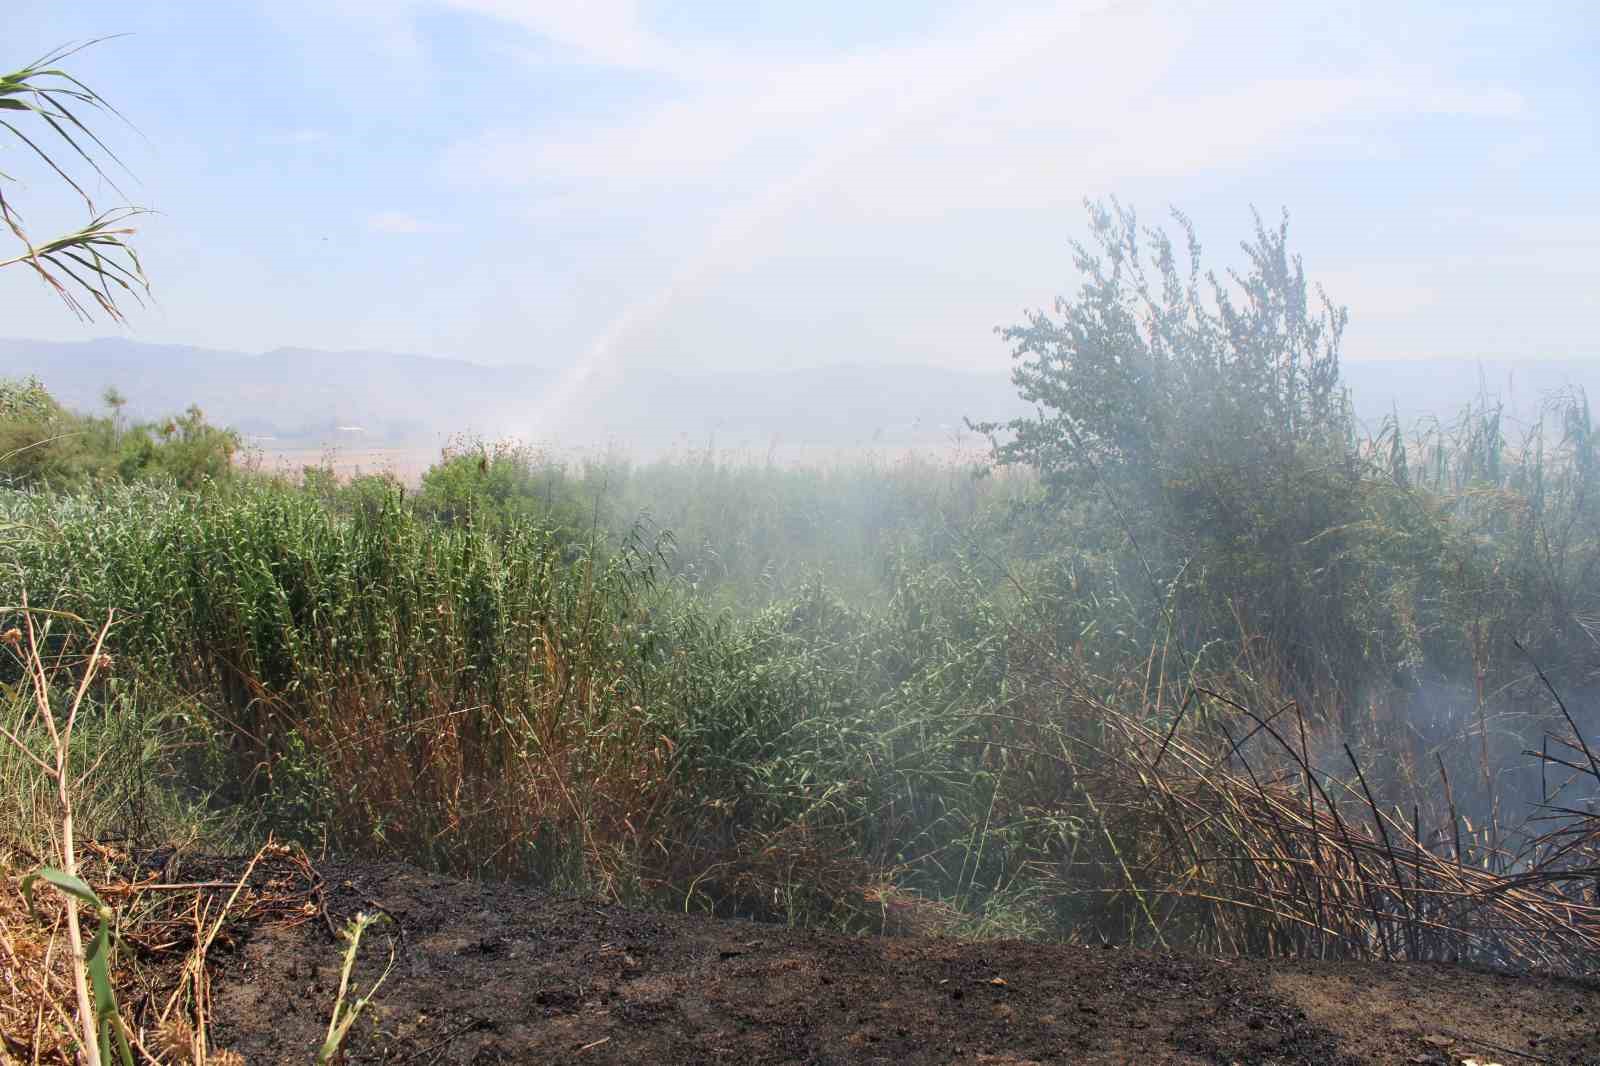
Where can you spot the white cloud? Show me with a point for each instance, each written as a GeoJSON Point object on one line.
{"type": "Point", "coordinates": [1013, 111]}
{"type": "Point", "coordinates": [918, 191]}
{"type": "Point", "coordinates": [737, 110]}
{"type": "Point", "coordinates": [753, 156]}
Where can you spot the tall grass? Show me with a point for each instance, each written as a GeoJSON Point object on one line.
{"type": "Point", "coordinates": [461, 698]}
{"type": "Point", "coordinates": [747, 533]}
{"type": "Point", "coordinates": [503, 701]}
{"type": "Point", "coordinates": [986, 724]}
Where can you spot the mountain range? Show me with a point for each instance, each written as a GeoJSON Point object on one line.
{"type": "Point", "coordinates": [304, 396]}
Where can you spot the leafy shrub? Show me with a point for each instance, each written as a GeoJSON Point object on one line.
{"type": "Point", "coordinates": [498, 484]}
{"type": "Point", "coordinates": [42, 443]}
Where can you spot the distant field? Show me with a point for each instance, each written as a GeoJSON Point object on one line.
{"type": "Point", "coordinates": [409, 462]}
{"type": "Point", "coordinates": [406, 463]}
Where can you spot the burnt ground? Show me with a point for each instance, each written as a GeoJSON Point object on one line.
{"type": "Point", "coordinates": [499, 974]}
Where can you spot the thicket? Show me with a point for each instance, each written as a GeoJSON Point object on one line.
{"type": "Point", "coordinates": [745, 534]}
{"type": "Point", "coordinates": [45, 445]}
{"type": "Point", "coordinates": [1195, 667]}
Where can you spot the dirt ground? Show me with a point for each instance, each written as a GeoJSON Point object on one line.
{"type": "Point", "coordinates": [501, 974]}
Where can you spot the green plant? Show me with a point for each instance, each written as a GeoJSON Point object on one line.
{"type": "Point", "coordinates": [94, 262]}
{"type": "Point", "coordinates": [42, 443]}
{"type": "Point", "coordinates": [1149, 374]}
{"type": "Point", "coordinates": [496, 484]}
{"type": "Point", "coordinates": [105, 1032]}
{"type": "Point", "coordinates": [344, 1013]}
{"type": "Point", "coordinates": [841, 701]}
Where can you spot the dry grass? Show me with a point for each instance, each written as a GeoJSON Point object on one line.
{"type": "Point", "coordinates": [162, 971]}
{"type": "Point", "coordinates": [37, 976]}
{"type": "Point", "coordinates": [1235, 840]}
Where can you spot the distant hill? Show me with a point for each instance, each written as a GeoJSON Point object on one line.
{"type": "Point", "coordinates": [289, 393]}
{"type": "Point", "coordinates": [301, 396]}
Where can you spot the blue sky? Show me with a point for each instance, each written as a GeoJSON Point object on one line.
{"type": "Point", "coordinates": [761, 184]}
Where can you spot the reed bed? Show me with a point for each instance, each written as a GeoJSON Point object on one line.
{"type": "Point", "coordinates": [991, 745]}
{"type": "Point", "coordinates": [1230, 836]}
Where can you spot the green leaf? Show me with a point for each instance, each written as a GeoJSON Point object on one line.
{"type": "Point", "coordinates": [107, 1022]}
{"type": "Point", "coordinates": [65, 882]}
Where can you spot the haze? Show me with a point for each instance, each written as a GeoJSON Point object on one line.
{"type": "Point", "coordinates": [760, 186]}
{"type": "Point", "coordinates": [879, 468]}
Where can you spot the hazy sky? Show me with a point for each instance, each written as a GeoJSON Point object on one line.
{"type": "Point", "coordinates": [758, 184]}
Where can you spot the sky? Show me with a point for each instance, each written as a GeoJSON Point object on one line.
{"type": "Point", "coordinates": [758, 184]}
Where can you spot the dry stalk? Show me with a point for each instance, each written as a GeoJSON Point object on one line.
{"type": "Point", "coordinates": [1262, 859]}
{"type": "Point", "coordinates": [58, 772]}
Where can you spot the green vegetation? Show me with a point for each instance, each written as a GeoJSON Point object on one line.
{"type": "Point", "coordinates": [1191, 665]}
{"type": "Point", "coordinates": [44, 445]}
{"type": "Point", "coordinates": [43, 107]}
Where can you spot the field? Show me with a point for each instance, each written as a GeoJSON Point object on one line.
{"type": "Point", "coordinates": [405, 464]}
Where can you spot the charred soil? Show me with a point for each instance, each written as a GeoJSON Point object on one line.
{"type": "Point", "coordinates": [494, 973]}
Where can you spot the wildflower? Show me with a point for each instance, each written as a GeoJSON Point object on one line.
{"type": "Point", "coordinates": [12, 636]}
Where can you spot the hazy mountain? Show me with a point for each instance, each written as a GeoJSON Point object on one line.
{"type": "Point", "coordinates": [301, 395]}
{"type": "Point", "coordinates": [304, 395]}
{"type": "Point", "coordinates": [292, 393]}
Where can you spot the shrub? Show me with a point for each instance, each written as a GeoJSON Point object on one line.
{"type": "Point", "coordinates": [42, 443]}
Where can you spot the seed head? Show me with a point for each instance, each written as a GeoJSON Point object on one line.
{"type": "Point", "coordinates": [176, 1039]}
